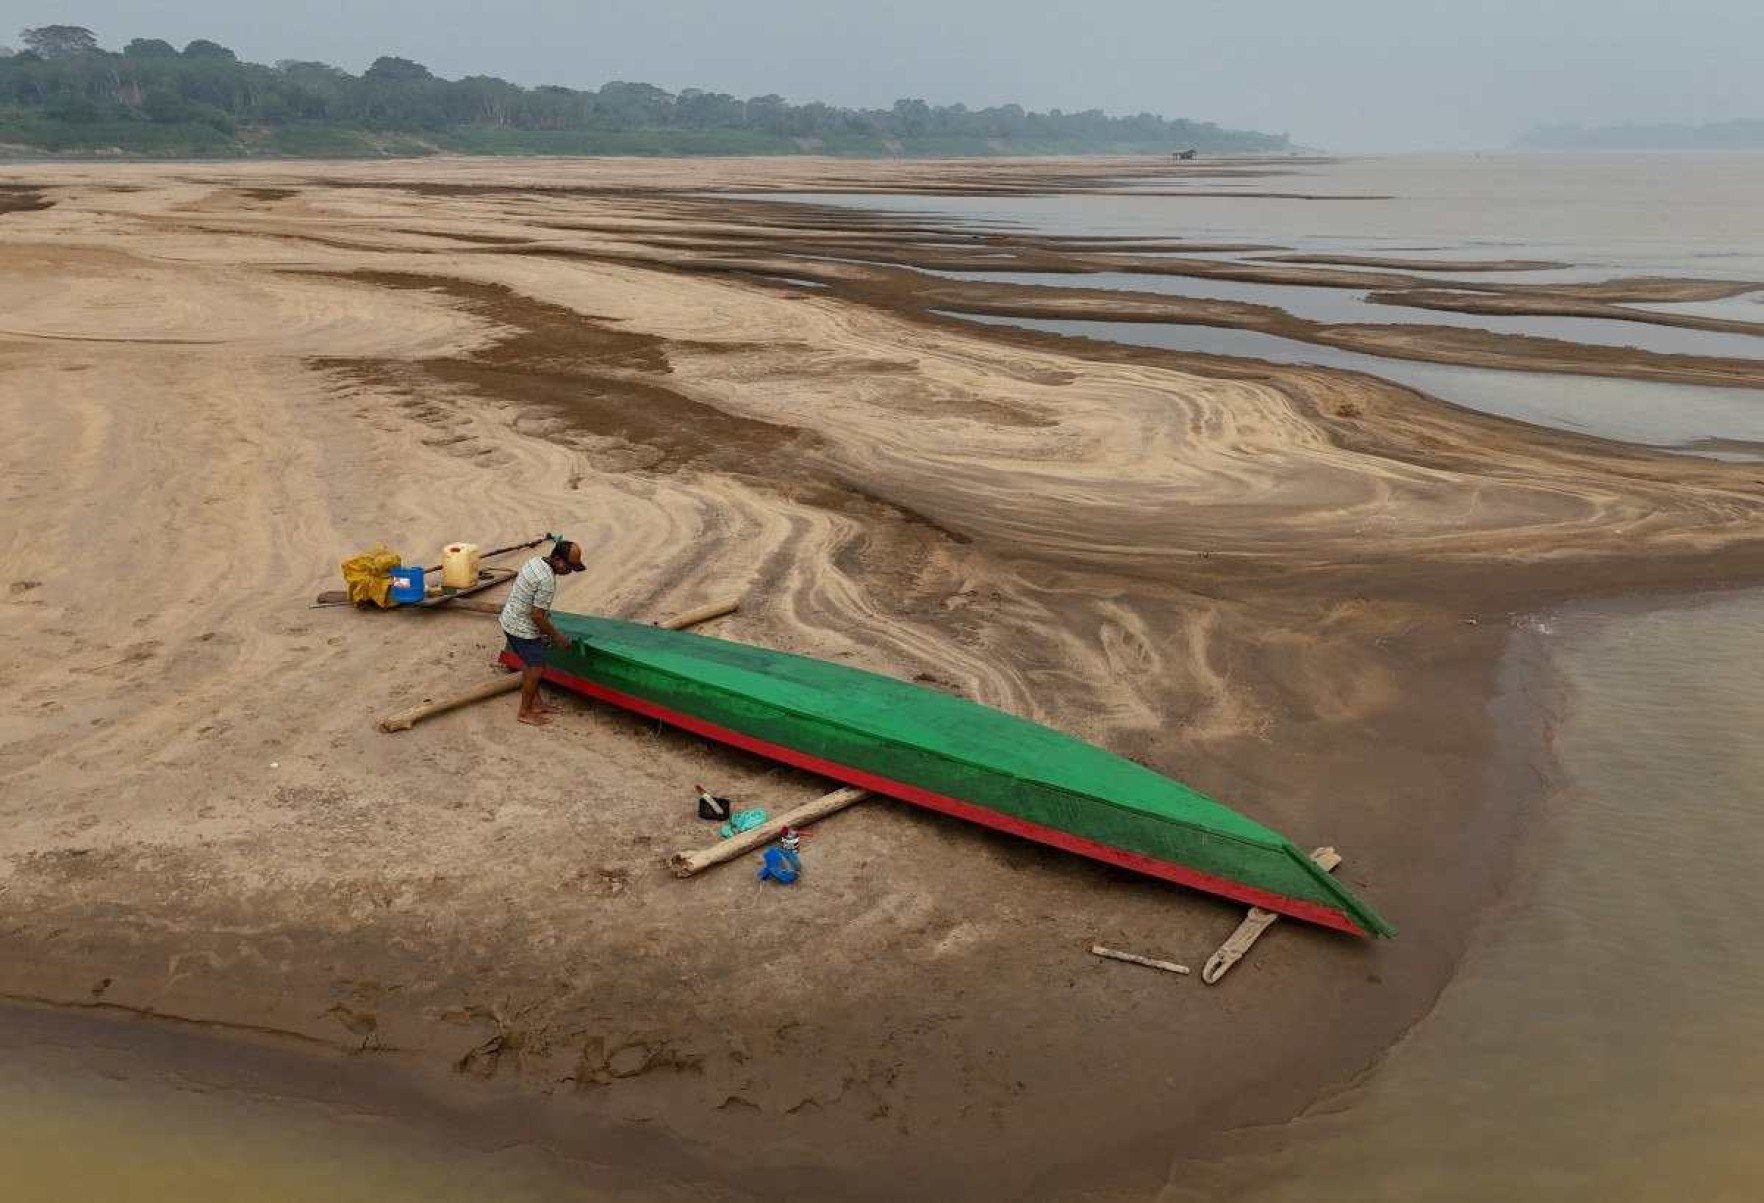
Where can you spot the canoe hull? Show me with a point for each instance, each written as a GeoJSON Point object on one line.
{"type": "Point", "coordinates": [951, 755]}
{"type": "Point", "coordinates": [1249, 895]}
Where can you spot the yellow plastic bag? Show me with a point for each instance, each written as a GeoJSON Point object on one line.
{"type": "Point", "coordinates": [368, 576]}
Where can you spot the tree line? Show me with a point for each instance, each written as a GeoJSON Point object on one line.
{"type": "Point", "coordinates": [62, 86]}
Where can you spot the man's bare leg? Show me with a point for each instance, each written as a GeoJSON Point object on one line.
{"type": "Point", "coordinates": [531, 712]}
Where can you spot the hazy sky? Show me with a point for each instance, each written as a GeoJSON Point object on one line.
{"type": "Point", "coordinates": [1342, 74]}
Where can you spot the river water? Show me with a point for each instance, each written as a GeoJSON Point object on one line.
{"type": "Point", "coordinates": [1598, 217]}
{"type": "Point", "coordinates": [1602, 215]}
{"type": "Point", "coordinates": [1351, 306]}
{"type": "Point", "coordinates": [113, 1108]}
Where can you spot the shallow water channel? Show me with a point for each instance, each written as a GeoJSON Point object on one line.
{"type": "Point", "coordinates": [1671, 416]}
{"type": "Point", "coordinates": [1350, 307]}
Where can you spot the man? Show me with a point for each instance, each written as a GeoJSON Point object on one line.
{"type": "Point", "coordinates": [526, 620]}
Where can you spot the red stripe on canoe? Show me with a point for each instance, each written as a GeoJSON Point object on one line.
{"type": "Point", "coordinates": [1298, 908]}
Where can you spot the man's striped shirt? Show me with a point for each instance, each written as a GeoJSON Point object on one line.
{"type": "Point", "coordinates": [533, 590]}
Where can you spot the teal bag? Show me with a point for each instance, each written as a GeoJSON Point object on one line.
{"type": "Point", "coordinates": [742, 820]}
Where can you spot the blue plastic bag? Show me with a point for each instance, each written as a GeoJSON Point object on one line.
{"type": "Point", "coordinates": [780, 865]}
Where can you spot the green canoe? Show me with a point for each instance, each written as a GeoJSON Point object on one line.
{"type": "Point", "coordinates": [950, 755]}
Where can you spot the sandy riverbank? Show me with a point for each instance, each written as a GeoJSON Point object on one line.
{"type": "Point", "coordinates": [1287, 586]}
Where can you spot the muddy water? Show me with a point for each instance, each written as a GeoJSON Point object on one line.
{"type": "Point", "coordinates": [113, 1109]}
{"type": "Point", "coordinates": [1600, 1042]}
{"type": "Point", "coordinates": [1603, 215]}
{"type": "Point", "coordinates": [99, 1139]}
{"type": "Point", "coordinates": [1600, 216]}
{"type": "Point", "coordinates": [1350, 306]}
{"type": "Point", "coordinates": [1747, 307]}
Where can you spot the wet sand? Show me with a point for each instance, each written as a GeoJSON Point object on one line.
{"type": "Point", "coordinates": [1288, 586]}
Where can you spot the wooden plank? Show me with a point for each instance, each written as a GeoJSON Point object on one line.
{"type": "Point", "coordinates": [685, 864]}
{"type": "Point", "coordinates": [470, 605]}
{"type": "Point", "coordinates": [1133, 958]}
{"type": "Point", "coordinates": [495, 577]}
{"type": "Point", "coordinates": [1251, 929]}
{"type": "Point", "coordinates": [404, 720]}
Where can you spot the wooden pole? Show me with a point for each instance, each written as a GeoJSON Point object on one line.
{"type": "Point", "coordinates": [1133, 958]}
{"type": "Point", "coordinates": [500, 551]}
{"type": "Point", "coordinates": [1254, 924]}
{"type": "Point", "coordinates": [467, 605]}
{"type": "Point", "coordinates": [703, 614]}
{"type": "Point", "coordinates": [685, 864]}
{"type": "Point", "coordinates": [404, 720]}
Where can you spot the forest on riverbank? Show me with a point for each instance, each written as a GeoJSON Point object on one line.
{"type": "Point", "coordinates": [64, 94]}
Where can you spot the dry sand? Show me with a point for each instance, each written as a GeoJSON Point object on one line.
{"type": "Point", "coordinates": [1290, 587]}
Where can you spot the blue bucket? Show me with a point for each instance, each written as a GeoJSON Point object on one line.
{"type": "Point", "coordinates": [407, 585]}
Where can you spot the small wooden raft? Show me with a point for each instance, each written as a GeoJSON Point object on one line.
{"type": "Point", "coordinates": [685, 864]}
{"type": "Point", "coordinates": [488, 578]}
{"type": "Point", "coordinates": [1257, 922]}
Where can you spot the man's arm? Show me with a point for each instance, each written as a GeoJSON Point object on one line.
{"type": "Point", "coordinates": [542, 620]}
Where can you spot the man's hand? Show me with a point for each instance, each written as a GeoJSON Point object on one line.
{"type": "Point", "coordinates": [559, 640]}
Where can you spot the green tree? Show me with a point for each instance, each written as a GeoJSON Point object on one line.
{"type": "Point", "coordinates": [165, 106]}
{"type": "Point", "coordinates": [204, 49]}
{"type": "Point", "coordinates": [912, 117]}
{"type": "Point", "coordinates": [60, 41]}
{"type": "Point", "coordinates": [390, 69]}
{"type": "Point", "coordinates": [150, 48]}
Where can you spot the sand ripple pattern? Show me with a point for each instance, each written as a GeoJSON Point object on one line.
{"type": "Point", "coordinates": [1287, 586]}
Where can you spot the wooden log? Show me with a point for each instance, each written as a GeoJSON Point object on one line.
{"type": "Point", "coordinates": [404, 720]}
{"type": "Point", "coordinates": [703, 614]}
{"type": "Point", "coordinates": [1133, 958]}
{"type": "Point", "coordinates": [1254, 924]}
{"type": "Point", "coordinates": [685, 864]}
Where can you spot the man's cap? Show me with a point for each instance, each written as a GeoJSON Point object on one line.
{"type": "Point", "coordinates": [562, 549]}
